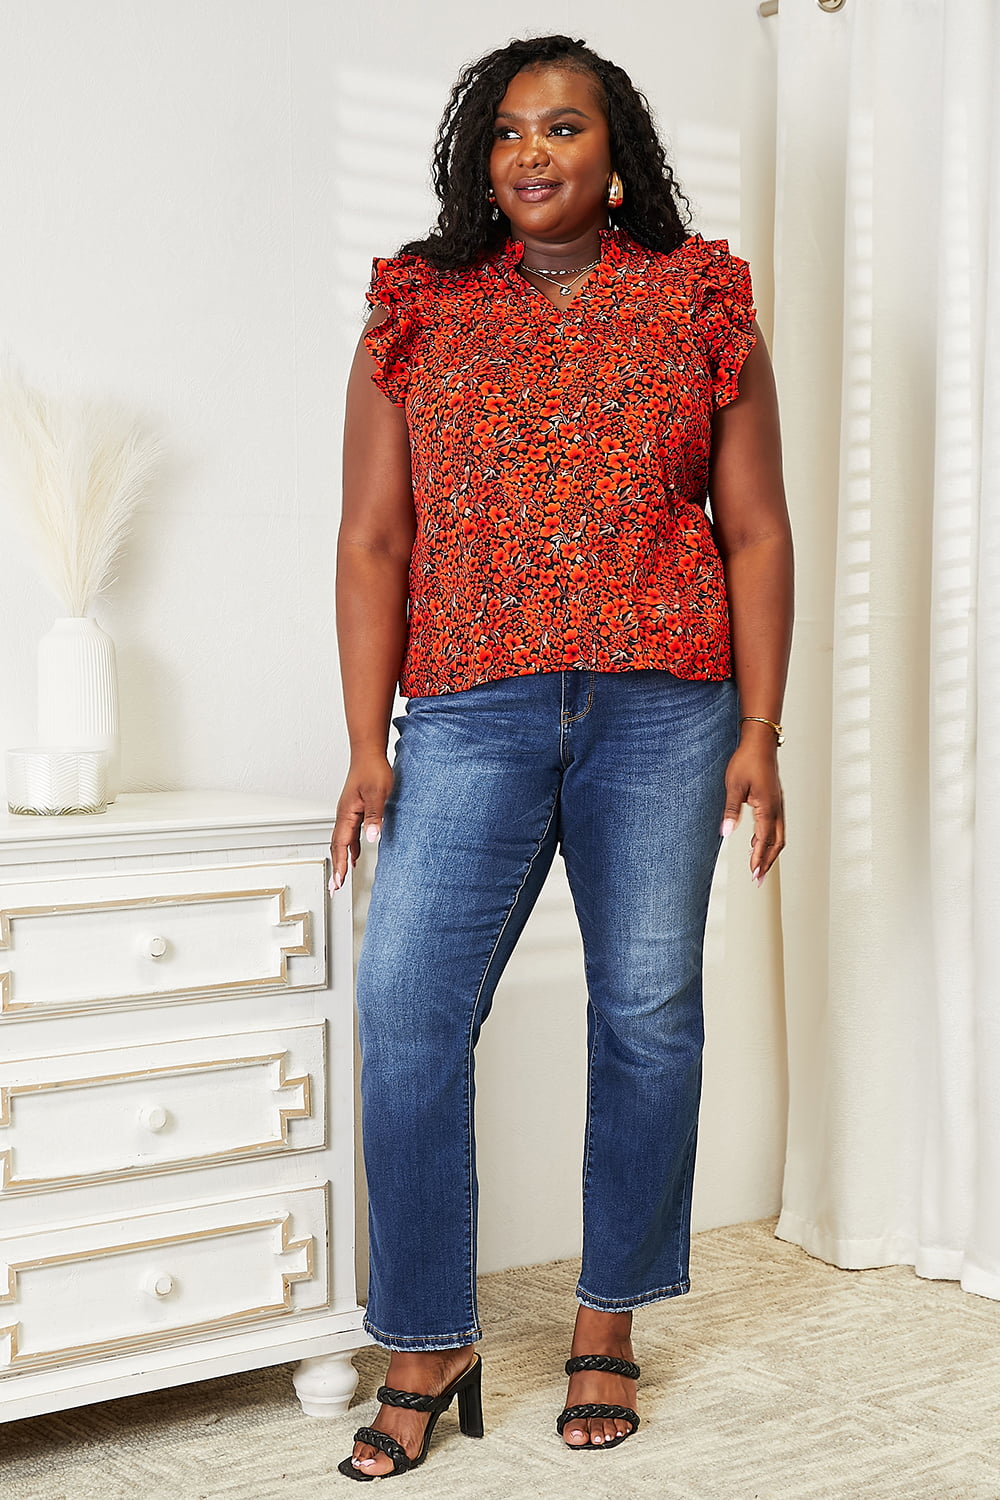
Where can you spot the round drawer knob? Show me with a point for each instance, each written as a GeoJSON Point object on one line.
{"type": "Point", "coordinates": [157, 947]}
{"type": "Point", "coordinates": [158, 1284]}
{"type": "Point", "coordinates": [154, 1117]}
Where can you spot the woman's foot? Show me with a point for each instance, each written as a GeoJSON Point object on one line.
{"type": "Point", "coordinates": [427, 1374]}
{"type": "Point", "coordinates": [600, 1333]}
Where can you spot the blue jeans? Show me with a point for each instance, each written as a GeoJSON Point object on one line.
{"type": "Point", "coordinates": [623, 771]}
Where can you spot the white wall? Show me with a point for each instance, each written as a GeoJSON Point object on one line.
{"type": "Point", "coordinates": [191, 196]}
{"type": "Point", "coordinates": [167, 191]}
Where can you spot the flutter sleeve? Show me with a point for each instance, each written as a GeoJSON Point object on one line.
{"type": "Point", "coordinates": [722, 303]}
{"type": "Point", "coordinates": [402, 284]}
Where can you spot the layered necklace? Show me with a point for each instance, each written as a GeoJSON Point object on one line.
{"type": "Point", "coordinates": [565, 287]}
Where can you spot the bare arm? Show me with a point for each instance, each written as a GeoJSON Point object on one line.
{"type": "Point", "coordinates": [754, 540]}
{"type": "Point", "coordinates": [373, 555]}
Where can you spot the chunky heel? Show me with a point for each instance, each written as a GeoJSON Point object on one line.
{"type": "Point", "coordinates": [470, 1401]}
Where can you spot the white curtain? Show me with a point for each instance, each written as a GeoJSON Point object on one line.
{"type": "Point", "coordinates": [887, 349]}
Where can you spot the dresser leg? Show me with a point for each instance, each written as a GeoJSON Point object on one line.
{"type": "Point", "coordinates": [325, 1384]}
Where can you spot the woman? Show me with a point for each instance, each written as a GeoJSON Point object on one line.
{"type": "Point", "coordinates": [550, 387]}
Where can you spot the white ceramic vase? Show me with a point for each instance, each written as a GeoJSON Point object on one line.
{"type": "Point", "coordinates": [78, 691]}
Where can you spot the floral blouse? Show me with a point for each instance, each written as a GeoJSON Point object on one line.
{"type": "Point", "coordinates": [560, 460]}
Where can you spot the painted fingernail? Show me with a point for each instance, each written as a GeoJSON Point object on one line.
{"type": "Point", "coordinates": [728, 827]}
{"type": "Point", "coordinates": [371, 834]}
{"type": "Point", "coordinates": [336, 881]}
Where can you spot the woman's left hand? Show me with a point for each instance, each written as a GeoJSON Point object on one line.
{"type": "Point", "coordinates": [752, 776]}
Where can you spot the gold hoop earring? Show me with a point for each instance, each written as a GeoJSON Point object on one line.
{"type": "Point", "coordinates": [616, 191]}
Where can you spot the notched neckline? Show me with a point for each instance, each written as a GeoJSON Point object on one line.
{"type": "Point", "coordinates": [602, 274]}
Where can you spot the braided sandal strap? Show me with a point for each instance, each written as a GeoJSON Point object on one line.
{"type": "Point", "coordinates": [596, 1409]}
{"type": "Point", "coordinates": [604, 1362]}
{"type": "Point", "coordinates": [408, 1400]}
{"type": "Point", "coordinates": [387, 1445]}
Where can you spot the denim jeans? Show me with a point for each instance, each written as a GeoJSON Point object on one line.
{"type": "Point", "coordinates": [623, 771]}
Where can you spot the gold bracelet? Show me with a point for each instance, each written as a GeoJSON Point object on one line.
{"type": "Point", "coordinates": [755, 719]}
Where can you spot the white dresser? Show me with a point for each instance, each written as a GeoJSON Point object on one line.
{"type": "Point", "coordinates": [176, 1101]}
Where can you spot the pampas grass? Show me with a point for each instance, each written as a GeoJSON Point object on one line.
{"type": "Point", "coordinates": [71, 475]}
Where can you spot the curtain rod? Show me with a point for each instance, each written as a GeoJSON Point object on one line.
{"type": "Point", "coordinates": [770, 7]}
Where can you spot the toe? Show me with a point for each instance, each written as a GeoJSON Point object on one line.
{"type": "Point", "coordinates": [370, 1460]}
{"type": "Point", "coordinates": [576, 1434]}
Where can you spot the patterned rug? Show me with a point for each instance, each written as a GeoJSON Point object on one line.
{"type": "Point", "coordinates": [776, 1378]}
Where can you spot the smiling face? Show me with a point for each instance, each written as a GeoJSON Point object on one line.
{"type": "Point", "coordinates": [551, 159]}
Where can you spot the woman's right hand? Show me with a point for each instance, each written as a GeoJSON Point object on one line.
{"type": "Point", "coordinates": [361, 807]}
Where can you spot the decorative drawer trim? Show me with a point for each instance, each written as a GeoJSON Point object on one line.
{"type": "Point", "coordinates": [143, 1096]}
{"type": "Point", "coordinates": [152, 1249]}
{"type": "Point", "coordinates": [7, 915]}
{"type": "Point", "coordinates": [101, 982]}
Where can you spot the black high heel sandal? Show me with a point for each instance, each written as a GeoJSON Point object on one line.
{"type": "Point", "coordinates": [468, 1387]}
{"type": "Point", "coordinates": [610, 1366]}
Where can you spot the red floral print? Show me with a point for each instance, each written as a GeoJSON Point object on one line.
{"type": "Point", "coordinates": [560, 460]}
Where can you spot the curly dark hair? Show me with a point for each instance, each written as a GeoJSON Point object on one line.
{"type": "Point", "coordinates": [655, 211]}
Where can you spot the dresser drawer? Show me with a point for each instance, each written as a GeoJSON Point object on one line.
{"type": "Point", "coordinates": [94, 1290]}
{"type": "Point", "coordinates": [91, 1116]}
{"type": "Point", "coordinates": [86, 943]}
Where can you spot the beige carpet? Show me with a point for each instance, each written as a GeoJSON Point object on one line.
{"type": "Point", "coordinates": [776, 1378]}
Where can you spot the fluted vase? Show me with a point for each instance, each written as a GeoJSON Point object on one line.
{"type": "Point", "coordinates": [78, 691]}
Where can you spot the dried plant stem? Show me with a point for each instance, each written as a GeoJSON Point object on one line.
{"type": "Point", "coordinates": [72, 474]}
